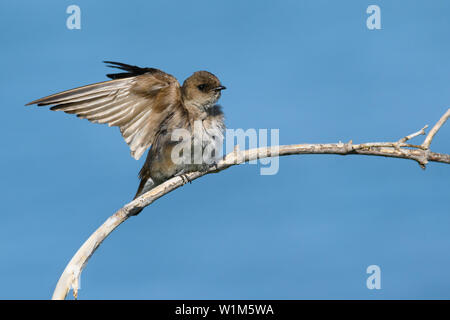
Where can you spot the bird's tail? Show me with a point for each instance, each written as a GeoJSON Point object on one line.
{"type": "Point", "coordinates": [144, 186]}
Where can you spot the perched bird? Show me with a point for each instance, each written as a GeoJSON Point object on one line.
{"type": "Point", "coordinates": [149, 106]}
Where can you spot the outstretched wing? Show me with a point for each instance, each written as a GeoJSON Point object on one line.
{"type": "Point", "coordinates": [137, 101]}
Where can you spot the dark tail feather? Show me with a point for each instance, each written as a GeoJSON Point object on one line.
{"type": "Point", "coordinates": [131, 71]}
{"type": "Point", "coordinates": [137, 211]}
{"type": "Point", "coordinates": [144, 186]}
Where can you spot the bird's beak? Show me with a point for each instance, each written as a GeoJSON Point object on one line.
{"type": "Point", "coordinates": [219, 88]}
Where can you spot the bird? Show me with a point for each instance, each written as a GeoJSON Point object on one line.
{"type": "Point", "coordinates": [152, 112]}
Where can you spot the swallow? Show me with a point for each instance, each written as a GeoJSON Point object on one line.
{"type": "Point", "coordinates": [149, 106]}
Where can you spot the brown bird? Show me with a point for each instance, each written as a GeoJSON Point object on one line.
{"type": "Point", "coordinates": [149, 106]}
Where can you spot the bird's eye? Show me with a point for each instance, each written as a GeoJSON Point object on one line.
{"type": "Point", "coordinates": [201, 87]}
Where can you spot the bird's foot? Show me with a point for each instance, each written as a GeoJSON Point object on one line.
{"type": "Point", "coordinates": [185, 178]}
{"type": "Point", "coordinates": [214, 167]}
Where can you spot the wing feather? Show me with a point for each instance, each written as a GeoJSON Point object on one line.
{"type": "Point", "coordinates": [128, 102]}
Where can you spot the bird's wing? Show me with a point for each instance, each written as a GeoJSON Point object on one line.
{"type": "Point", "coordinates": [137, 101]}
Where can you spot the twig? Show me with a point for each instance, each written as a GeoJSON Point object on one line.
{"type": "Point", "coordinates": [435, 129]}
{"type": "Point", "coordinates": [399, 149]}
{"type": "Point", "coordinates": [413, 135]}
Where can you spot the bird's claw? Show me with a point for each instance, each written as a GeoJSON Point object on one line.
{"type": "Point", "coordinates": [185, 178]}
{"type": "Point", "coordinates": [214, 166]}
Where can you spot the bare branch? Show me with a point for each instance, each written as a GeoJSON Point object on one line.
{"type": "Point", "coordinates": [413, 135]}
{"type": "Point", "coordinates": [399, 149]}
{"type": "Point", "coordinates": [435, 129]}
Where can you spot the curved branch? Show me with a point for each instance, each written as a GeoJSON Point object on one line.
{"type": "Point", "coordinates": [399, 149]}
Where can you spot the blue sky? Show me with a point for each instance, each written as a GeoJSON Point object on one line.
{"type": "Point", "coordinates": [308, 68]}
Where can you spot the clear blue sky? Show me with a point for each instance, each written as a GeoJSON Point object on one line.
{"type": "Point", "coordinates": [309, 68]}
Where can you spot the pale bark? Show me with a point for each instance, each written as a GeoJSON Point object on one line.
{"type": "Point", "coordinates": [398, 149]}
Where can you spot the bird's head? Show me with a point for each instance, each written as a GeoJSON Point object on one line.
{"type": "Point", "coordinates": [202, 90]}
